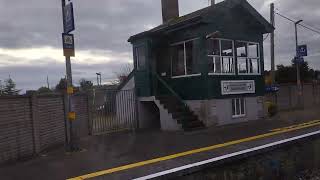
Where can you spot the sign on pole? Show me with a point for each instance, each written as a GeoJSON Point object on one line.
{"type": "Point", "coordinates": [68, 45]}
{"type": "Point", "coordinates": [302, 50]}
{"type": "Point", "coordinates": [68, 18]}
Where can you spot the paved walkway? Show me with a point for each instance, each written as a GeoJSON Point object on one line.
{"type": "Point", "coordinates": [106, 155]}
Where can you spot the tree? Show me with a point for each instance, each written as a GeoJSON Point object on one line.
{"type": "Point", "coordinates": [1, 88]}
{"type": "Point", "coordinates": [9, 88]}
{"type": "Point", "coordinates": [44, 90]}
{"type": "Point", "coordinates": [62, 85]}
{"type": "Point", "coordinates": [288, 74]}
{"type": "Point", "coordinates": [85, 85]}
{"type": "Point", "coordinates": [123, 73]}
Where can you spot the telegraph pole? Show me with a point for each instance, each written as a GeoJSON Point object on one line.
{"type": "Point", "coordinates": [298, 64]}
{"type": "Point", "coordinates": [272, 21]}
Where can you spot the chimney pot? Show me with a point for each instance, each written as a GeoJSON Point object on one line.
{"type": "Point", "coordinates": [170, 9]}
{"type": "Point", "coordinates": [213, 2]}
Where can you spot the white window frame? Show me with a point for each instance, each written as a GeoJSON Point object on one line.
{"type": "Point", "coordinates": [221, 57]}
{"type": "Point", "coordinates": [185, 60]}
{"type": "Point", "coordinates": [137, 56]}
{"type": "Point", "coordinates": [248, 57]}
{"type": "Point", "coordinates": [234, 107]}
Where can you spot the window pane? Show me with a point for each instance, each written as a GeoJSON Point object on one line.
{"type": "Point", "coordinates": [241, 49]}
{"type": "Point", "coordinates": [189, 58]}
{"type": "Point", "coordinates": [253, 50]}
{"type": "Point", "coordinates": [233, 107]}
{"type": "Point", "coordinates": [213, 47]}
{"type": "Point", "coordinates": [228, 65]}
{"type": "Point", "coordinates": [242, 65]}
{"type": "Point", "coordinates": [178, 60]}
{"type": "Point", "coordinates": [253, 66]}
{"type": "Point", "coordinates": [242, 107]}
{"type": "Point", "coordinates": [141, 58]}
{"type": "Point", "coordinates": [226, 48]}
{"type": "Point", "coordinates": [217, 65]}
{"type": "Point", "coordinates": [238, 106]}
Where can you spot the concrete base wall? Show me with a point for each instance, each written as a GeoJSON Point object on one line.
{"type": "Point", "coordinates": [219, 111]}
{"type": "Point", "coordinates": [147, 118]}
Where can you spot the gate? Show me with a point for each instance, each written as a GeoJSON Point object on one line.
{"type": "Point", "coordinates": [113, 111]}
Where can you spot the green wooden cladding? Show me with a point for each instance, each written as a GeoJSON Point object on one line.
{"type": "Point", "coordinates": [235, 25]}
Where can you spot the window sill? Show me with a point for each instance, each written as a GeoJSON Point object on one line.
{"type": "Point", "coordinates": [221, 74]}
{"type": "Point", "coordinates": [184, 76]}
{"type": "Point", "coordinates": [247, 74]}
{"type": "Point", "coordinates": [238, 116]}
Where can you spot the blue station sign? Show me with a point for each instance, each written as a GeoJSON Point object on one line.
{"type": "Point", "coordinates": [302, 50]}
{"type": "Point", "coordinates": [272, 88]}
{"type": "Point", "coordinates": [68, 44]}
{"type": "Point", "coordinates": [68, 18]}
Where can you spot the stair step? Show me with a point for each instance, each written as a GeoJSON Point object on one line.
{"type": "Point", "coordinates": [181, 113]}
{"type": "Point", "coordinates": [194, 129]}
{"type": "Point", "coordinates": [187, 119]}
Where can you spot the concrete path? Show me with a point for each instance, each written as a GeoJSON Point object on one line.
{"type": "Point", "coordinates": [105, 156]}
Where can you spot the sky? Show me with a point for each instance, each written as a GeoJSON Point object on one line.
{"type": "Point", "coordinates": [31, 47]}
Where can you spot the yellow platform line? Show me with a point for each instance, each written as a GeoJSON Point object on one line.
{"type": "Point", "coordinates": [297, 125]}
{"type": "Point", "coordinates": [186, 153]}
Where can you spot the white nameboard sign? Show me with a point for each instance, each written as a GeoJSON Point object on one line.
{"type": "Point", "coordinates": [238, 87]}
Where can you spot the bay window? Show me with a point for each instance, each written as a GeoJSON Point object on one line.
{"type": "Point", "coordinates": [248, 57]}
{"type": "Point", "coordinates": [183, 62]}
{"type": "Point", "coordinates": [221, 56]}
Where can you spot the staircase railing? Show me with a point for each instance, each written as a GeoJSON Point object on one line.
{"type": "Point", "coordinates": [166, 85]}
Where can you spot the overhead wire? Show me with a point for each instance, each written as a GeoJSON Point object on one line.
{"type": "Point", "coordinates": [304, 26]}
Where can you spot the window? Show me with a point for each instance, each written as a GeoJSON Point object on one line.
{"type": "Point", "coordinates": [140, 57]}
{"type": "Point", "coordinates": [183, 61]}
{"type": "Point", "coordinates": [238, 107]}
{"type": "Point", "coordinates": [248, 57]}
{"type": "Point", "coordinates": [221, 56]}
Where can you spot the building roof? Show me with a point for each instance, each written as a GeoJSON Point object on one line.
{"type": "Point", "coordinates": [197, 16]}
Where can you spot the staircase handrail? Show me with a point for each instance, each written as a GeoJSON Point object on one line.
{"type": "Point", "coordinates": [170, 89]}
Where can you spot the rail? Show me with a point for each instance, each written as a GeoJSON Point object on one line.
{"type": "Point", "coordinates": [165, 84]}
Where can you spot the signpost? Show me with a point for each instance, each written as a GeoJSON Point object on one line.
{"type": "Point", "coordinates": [68, 51]}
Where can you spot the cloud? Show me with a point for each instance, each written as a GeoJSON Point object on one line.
{"type": "Point", "coordinates": [30, 38]}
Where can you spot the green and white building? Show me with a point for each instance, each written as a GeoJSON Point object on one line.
{"type": "Point", "coordinates": [202, 69]}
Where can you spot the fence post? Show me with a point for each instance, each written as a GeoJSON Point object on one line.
{"type": "Point", "coordinates": [90, 111]}
{"type": "Point", "coordinates": [35, 123]}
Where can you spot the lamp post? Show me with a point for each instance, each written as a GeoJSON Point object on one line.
{"type": "Point", "coordinates": [297, 64]}
{"type": "Point", "coordinates": [98, 79]}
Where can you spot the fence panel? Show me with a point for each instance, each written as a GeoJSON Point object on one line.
{"type": "Point", "coordinates": [51, 121]}
{"type": "Point", "coordinates": [16, 134]}
{"type": "Point", "coordinates": [113, 111]}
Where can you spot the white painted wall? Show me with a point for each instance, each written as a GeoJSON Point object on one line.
{"type": "Point", "coordinates": [219, 111]}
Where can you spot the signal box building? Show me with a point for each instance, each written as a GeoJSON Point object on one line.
{"type": "Point", "coordinates": [202, 69]}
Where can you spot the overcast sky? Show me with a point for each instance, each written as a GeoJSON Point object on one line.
{"type": "Point", "coordinates": [30, 35]}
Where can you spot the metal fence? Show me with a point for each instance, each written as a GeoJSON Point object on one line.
{"type": "Point", "coordinates": [113, 111]}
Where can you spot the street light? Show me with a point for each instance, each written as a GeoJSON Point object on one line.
{"type": "Point", "coordinates": [98, 82]}
{"type": "Point", "coordinates": [297, 64]}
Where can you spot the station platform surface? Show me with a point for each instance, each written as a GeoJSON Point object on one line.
{"type": "Point", "coordinates": [146, 154]}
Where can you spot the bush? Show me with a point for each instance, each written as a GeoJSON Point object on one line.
{"type": "Point", "coordinates": [272, 109]}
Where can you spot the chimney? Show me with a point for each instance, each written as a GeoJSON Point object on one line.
{"type": "Point", "coordinates": [213, 2]}
{"type": "Point", "coordinates": [170, 9]}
